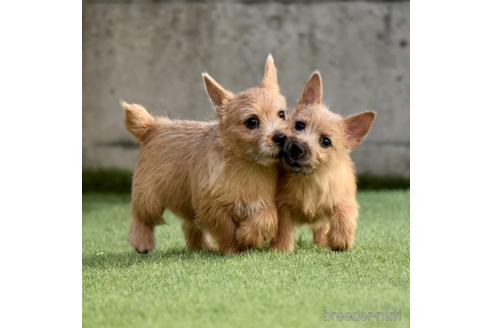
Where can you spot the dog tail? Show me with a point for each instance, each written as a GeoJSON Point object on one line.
{"type": "Point", "coordinates": [138, 121]}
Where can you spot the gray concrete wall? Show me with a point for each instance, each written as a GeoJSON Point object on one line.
{"type": "Point", "coordinates": [153, 52]}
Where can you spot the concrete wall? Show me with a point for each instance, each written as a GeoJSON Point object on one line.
{"type": "Point", "coordinates": [153, 52]}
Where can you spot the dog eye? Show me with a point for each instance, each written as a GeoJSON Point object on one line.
{"type": "Point", "coordinates": [281, 114]}
{"type": "Point", "coordinates": [300, 126]}
{"type": "Point", "coordinates": [325, 142]}
{"type": "Point", "coordinates": [252, 122]}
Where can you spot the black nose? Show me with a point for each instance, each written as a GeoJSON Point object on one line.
{"type": "Point", "coordinates": [296, 151]}
{"type": "Point", "coordinates": [279, 139]}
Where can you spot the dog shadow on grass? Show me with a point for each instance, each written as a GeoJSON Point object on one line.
{"type": "Point", "coordinates": [129, 258]}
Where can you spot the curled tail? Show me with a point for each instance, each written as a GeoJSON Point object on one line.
{"type": "Point", "coordinates": [138, 121]}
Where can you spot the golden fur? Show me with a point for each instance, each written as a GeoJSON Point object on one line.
{"type": "Point", "coordinates": [219, 177]}
{"type": "Point", "coordinates": [319, 188]}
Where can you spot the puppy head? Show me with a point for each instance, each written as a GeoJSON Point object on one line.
{"type": "Point", "coordinates": [319, 137]}
{"type": "Point", "coordinates": [252, 122]}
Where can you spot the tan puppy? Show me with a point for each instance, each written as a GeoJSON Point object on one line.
{"type": "Point", "coordinates": [219, 177]}
{"type": "Point", "coordinates": [318, 186]}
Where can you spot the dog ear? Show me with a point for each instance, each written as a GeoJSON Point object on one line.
{"type": "Point", "coordinates": [270, 80]}
{"type": "Point", "coordinates": [313, 90]}
{"type": "Point", "coordinates": [218, 95]}
{"type": "Point", "coordinates": [357, 126]}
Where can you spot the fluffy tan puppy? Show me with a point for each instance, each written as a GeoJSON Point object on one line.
{"type": "Point", "coordinates": [318, 185]}
{"type": "Point", "coordinates": [219, 177]}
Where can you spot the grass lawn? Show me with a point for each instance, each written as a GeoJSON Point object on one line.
{"type": "Point", "coordinates": [174, 287]}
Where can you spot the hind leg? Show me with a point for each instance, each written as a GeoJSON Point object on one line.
{"type": "Point", "coordinates": [141, 235]}
{"type": "Point", "coordinates": [196, 239]}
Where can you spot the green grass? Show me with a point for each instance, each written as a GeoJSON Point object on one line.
{"type": "Point", "coordinates": [173, 287]}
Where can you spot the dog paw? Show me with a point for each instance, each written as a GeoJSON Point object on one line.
{"type": "Point", "coordinates": [207, 245]}
{"type": "Point", "coordinates": [284, 247]}
{"type": "Point", "coordinates": [229, 250]}
{"type": "Point", "coordinates": [143, 244]}
{"type": "Point", "coordinates": [144, 248]}
{"type": "Point", "coordinates": [142, 251]}
{"type": "Point", "coordinates": [340, 243]}
{"type": "Point", "coordinates": [247, 237]}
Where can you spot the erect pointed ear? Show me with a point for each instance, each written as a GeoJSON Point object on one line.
{"type": "Point", "coordinates": [313, 90]}
{"type": "Point", "coordinates": [270, 80]}
{"type": "Point", "coordinates": [215, 91]}
{"type": "Point", "coordinates": [357, 126]}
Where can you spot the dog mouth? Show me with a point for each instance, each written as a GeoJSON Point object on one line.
{"type": "Point", "coordinates": [291, 162]}
{"type": "Point", "coordinates": [294, 165]}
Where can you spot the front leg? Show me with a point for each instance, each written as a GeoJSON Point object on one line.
{"type": "Point", "coordinates": [257, 228]}
{"type": "Point", "coordinates": [284, 239]}
{"type": "Point", "coordinates": [320, 234]}
{"type": "Point", "coordinates": [343, 223]}
{"type": "Point", "coordinates": [218, 222]}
